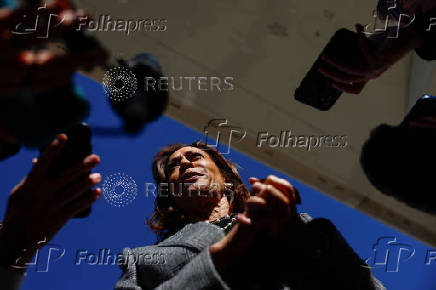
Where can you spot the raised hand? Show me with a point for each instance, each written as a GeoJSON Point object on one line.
{"type": "Point", "coordinates": [39, 206]}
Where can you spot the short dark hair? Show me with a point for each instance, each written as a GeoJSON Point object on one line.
{"type": "Point", "coordinates": [396, 160]}
{"type": "Point", "coordinates": [166, 219]}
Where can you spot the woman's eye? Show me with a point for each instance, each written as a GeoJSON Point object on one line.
{"type": "Point", "coordinates": [196, 157]}
{"type": "Point", "coordinates": [172, 167]}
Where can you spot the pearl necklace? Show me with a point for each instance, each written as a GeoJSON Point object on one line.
{"type": "Point", "coordinates": [218, 222]}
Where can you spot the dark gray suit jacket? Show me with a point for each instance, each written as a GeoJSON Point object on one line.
{"type": "Point", "coordinates": [183, 261]}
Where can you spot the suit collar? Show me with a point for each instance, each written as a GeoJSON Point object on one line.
{"type": "Point", "coordinates": [201, 234]}
{"type": "Point", "coordinates": [198, 235]}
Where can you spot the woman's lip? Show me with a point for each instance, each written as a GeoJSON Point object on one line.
{"type": "Point", "coordinates": [191, 177]}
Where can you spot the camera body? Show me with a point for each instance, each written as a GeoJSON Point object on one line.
{"type": "Point", "coordinates": [315, 90]}
{"type": "Point", "coordinates": [144, 106]}
{"type": "Point", "coordinates": [425, 107]}
{"type": "Point", "coordinates": [78, 146]}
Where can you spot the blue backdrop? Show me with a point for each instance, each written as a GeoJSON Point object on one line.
{"type": "Point", "coordinates": [113, 228]}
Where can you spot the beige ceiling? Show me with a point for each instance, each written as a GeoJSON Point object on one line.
{"type": "Point", "coordinates": [267, 47]}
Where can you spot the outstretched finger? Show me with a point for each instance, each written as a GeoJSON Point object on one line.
{"type": "Point", "coordinates": [267, 190]}
{"type": "Point", "coordinates": [47, 157]}
{"type": "Point", "coordinates": [276, 199]}
{"type": "Point", "coordinates": [77, 189]}
{"type": "Point", "coordinates": [80, 167]}
{"type": "Point", "coordinates": [339, 76]}
{"type": "Point", "coordinates": [81, 203]}
{"type": "Point", "coordinates": [244, 219]}
{"type": "Point", "coordinates": [255, 206]}
{"type": "Point", "coordinates": [363, 43]}
{"type": "Point", "coordinates": [256, 212]}
{"type": "Point", "coordinates": [283, 185]}
{"type": "Point", "coordinates": [78, 170]}
{"type": "Point", "coordinates": [343, 66]}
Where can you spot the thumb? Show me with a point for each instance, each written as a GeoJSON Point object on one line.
{"type": "Point", "coordinates": [363, 44]}
{"type": "Point", "coordinates": [254, 180]}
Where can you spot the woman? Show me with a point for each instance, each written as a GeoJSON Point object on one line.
{"type": "Point", "coordinates": [214, 235]}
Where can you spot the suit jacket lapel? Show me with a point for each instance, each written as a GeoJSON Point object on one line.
{"type": "Point", "coordinates": [197, 236]}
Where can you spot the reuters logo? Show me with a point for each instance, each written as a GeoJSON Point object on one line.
{"type": "Point", "coordinates": [119, 84]}
{"type": "Point", "coordinates": [119, 189]}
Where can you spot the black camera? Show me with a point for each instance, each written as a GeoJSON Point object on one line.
{"type": "Point", "coordinates": [425, 107]}
{"type": "Point", "coordinates": [315, 90]}
{"type": "Point", "coordinates": [78, 146]}
{"type": "Point", "coordinates": [144, 106]}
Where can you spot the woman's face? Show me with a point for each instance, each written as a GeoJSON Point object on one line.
{"type": "Point", "coordinates": [194, 178]}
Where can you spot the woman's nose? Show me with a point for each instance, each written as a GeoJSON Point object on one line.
{"type": "Point", "coordinates": [185, 162]}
